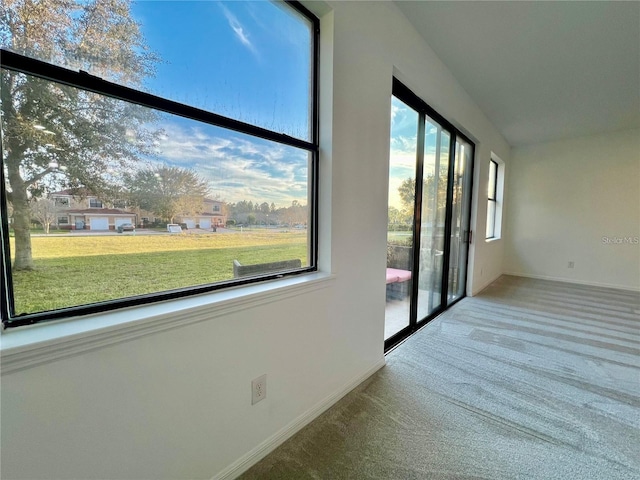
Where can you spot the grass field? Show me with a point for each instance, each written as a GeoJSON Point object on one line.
{"type": "Point", "coordinates": [399, 237]}
{"type": "Point", "coordinates": [86, 269]}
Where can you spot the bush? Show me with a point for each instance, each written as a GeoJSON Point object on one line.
{"type": "Point", "coordinates": [399, 257]}
{"type": "Point", "coordinates": [401, 242]}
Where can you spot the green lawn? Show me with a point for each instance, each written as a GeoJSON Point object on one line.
{"type": "Point", "coordinates": [399, 237]}
{"type": "Point", "coordinates": [80, 270]}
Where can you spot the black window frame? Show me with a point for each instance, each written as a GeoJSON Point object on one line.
{"type": "Point", "coordinates": [492, 197]}
{"type": "Point", "coordinates": [80, 79]}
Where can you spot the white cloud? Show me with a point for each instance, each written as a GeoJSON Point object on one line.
{"type": "Point", "coordinates": [238, 29]}
{"type": "Point", "coordinates": [237, 167]}
{"type": "Point", "coordinates": [395, 109]}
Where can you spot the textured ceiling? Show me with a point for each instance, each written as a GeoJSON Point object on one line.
{"type": "Point", "coordinates": [541, 71]}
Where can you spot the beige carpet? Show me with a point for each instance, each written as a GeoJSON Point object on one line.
{"type": "Point", "coordinates": [531, 379]}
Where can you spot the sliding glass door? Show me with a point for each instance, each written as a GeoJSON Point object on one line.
{"type": "Point", "coordinates": [428, 234]}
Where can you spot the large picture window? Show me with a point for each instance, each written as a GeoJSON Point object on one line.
{"type": "Point", "coordinates": [183, 136]}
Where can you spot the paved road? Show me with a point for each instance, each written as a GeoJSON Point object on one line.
{"type": "Point", "coordinates": [139, 231]}
{"type": "Point", "coordinates": [144, 231]}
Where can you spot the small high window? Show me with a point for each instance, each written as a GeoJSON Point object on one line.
{"type": "Point", "coordinates": [494, 199]}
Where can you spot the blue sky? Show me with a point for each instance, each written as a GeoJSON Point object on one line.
{"type": "Point", "coordinates": [404, 134]}
{"type": "Point", "coordinates": [245, 60]}
{"type": "Point", "coordinates": [402, 161]}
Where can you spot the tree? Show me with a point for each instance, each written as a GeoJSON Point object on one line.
{"type": "Point", "coordinates": [395, 216]}
{"type": "Point", "coordinates": [434, 190]}
{"type": "Point", "coordinates": [47, 125]}
{"type": "Point", "coordinates": [296, 214]}
{"type": "Point", "coordinates": [407, 192]}
{"type": "Point", "coordinates": [166, 191]}
{"type": "Point", "coordinates": [45, 211]}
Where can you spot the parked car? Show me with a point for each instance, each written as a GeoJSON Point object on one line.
{"type": "Point", "coordinates": [126, 227]}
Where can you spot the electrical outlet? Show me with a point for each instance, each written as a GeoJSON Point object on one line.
{"type": "Point", "coordinates": [571, 264]}
{"type": "Point", "coordinates": [258, 389]}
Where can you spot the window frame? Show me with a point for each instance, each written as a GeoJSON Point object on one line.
{"type": "Point", "coordinates": [82, 80]}
{"type": "Point", "coordinates": [496, 198]}
{"type": "Point", "coordinates": [62, 202]}
{"type": "Point", "coordinates": [492, 198]}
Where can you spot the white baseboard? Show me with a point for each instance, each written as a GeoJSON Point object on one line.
{"type": "Point", "coordinates": [572, 280]}
{"type": "Point", "coordinates": [270, 444]}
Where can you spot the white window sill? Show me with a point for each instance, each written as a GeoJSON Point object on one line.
{"type": "Point", "coordinates": [24, 347]}
{"type": "Point", "coordinates": [491, 240]}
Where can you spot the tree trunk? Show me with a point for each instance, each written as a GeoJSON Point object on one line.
{"type": "Point", "coordinates": [21, 219]}
{"type": "Point", "coordinates": [46, 228]}
{"type": "Point", "coordinates": [22, 229]}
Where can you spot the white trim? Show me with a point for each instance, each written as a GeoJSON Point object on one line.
{"type": "Point", "coordinates": [572, 280]}
{"type": "Point", "coordinates": [274, 441]}
{"type": "Point", "coordinates": [25, 347]}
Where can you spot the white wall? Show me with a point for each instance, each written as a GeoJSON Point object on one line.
{"type": "Point", "coordinates": [564, 198]}
{"type": "Point", "coordinates": [176, 404]}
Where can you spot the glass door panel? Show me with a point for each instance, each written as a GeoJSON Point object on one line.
{"type": "Point", "coordinates": [459, 243]}
{"type": "Point", "coordinates": [434, 204]}
{"type": "Point", "coordinates": [402, 181]}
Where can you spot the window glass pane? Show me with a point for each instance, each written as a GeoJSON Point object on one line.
{"type": "Point", "coordinates": [460, 220]}
{"type": "Point", "coordinates": [156, 201]}
{"type": "Point", "coordinates": [434, 197]}
{"type": "Point", "coordinates": [402, 189]}
{"type": "Point", "coordinates": [491, 218]}
{"type": "Point", "coordinates": [250, 61]}
{"type": "Point", "coordinates": [491, 190]}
